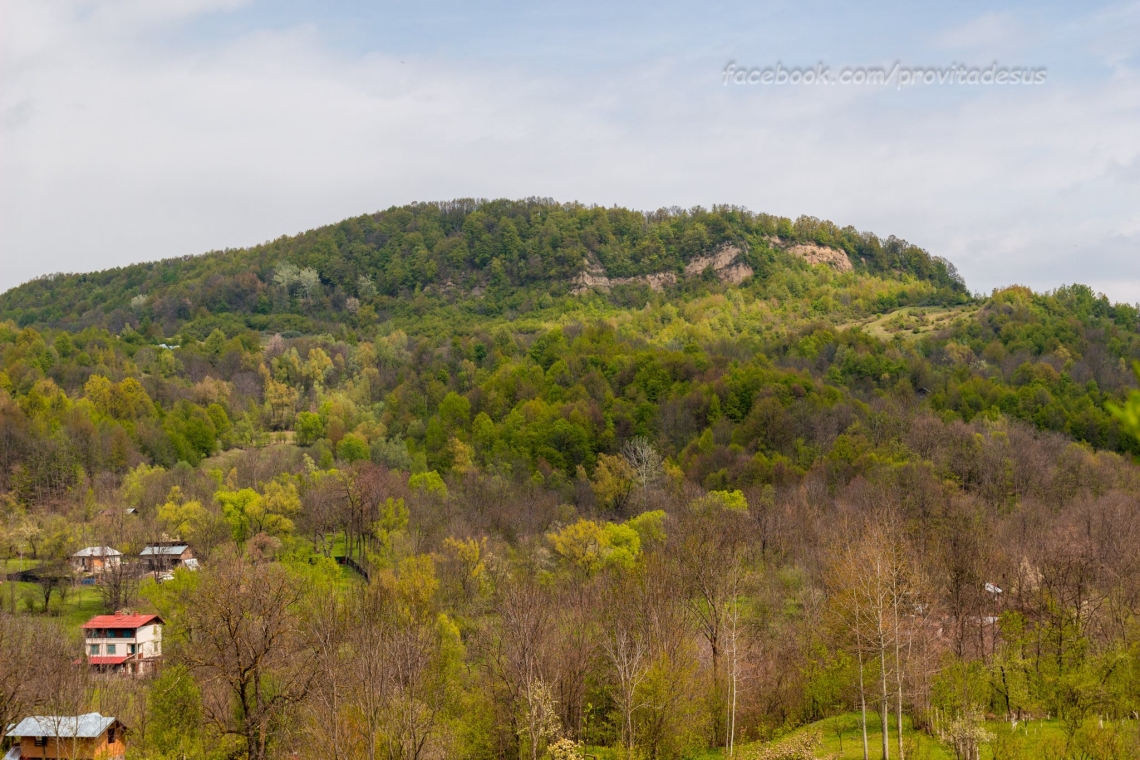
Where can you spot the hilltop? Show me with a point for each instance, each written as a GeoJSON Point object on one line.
{"type": "Point", "coordinates": [484, 257]}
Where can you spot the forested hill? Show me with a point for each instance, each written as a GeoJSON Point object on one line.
{"type": "Point", "coordinates": [488, 257]}
{"type": "Point", "coordinates": [639, 485]}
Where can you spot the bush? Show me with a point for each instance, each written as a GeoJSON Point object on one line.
{"type": "Point", "coordinates": [353, 448]}
{"type": "Point", "coordinates": [308, 428]}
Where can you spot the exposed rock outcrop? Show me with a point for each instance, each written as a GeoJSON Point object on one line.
{"type": "Point", "coordinates": [719, 260]}
{"type": "Point", "coordinates": [595, 277]}
{"type": "Point", "coordinates": [819, 254]}
{"type": "Point", "coordinates": [814, 254]}
{"type": "Point", "coordinates": [723, 261]}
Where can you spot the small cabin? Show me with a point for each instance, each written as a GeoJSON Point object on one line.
{"type": "Point", "coordinates": [96, 559]}
{"type": "Point", "coordinates": [123, 643]}
{"type": "Point", "coordinates": [82, 737]}
{"type": "Point", "coordinates": [166, 556]}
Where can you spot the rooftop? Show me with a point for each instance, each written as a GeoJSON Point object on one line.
{"type": "Point", "coordinates": [153, 550]}
{"type": "Point", "coordinates": [98, 551]}
{"type": "Point", "coordinates": [121, 621]}
{"type": "Point", "coordinates": [87, 726]}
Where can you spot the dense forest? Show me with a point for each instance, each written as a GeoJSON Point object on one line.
{"type": "Point", "coordinates": [486, 258]}
{"type": "Point", "coordinates": [453, 500]}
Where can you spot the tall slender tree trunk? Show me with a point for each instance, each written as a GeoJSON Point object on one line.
{"type": "Point", "coordinates": [899, 722]}
{"type": "Point", "coordinates": [733, 675]}
{"type": "Point", "coordinates": [898, 678]}
{"type": "Point", "coordinates": [885, 704]}
{"type": "Point", "coordinates": [863, 708]}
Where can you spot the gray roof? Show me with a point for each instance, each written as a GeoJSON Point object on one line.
{"type": "Point", "coordinates": [154, 550]}
{"type": "Point", "coordinates": [98, 551]}
{"type": "Point", "coordinates": [87, 726]}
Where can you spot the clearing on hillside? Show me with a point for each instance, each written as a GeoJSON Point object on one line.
{"type": "Point", "coordinates": [912, 321]}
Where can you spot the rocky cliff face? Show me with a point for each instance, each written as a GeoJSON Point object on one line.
{"type": "Point", "coordinates": [723, 260]}
{"type": "Point", "coordinates": [814, 254]}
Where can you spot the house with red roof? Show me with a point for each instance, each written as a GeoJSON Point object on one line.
{"type": "Point", "coordinates": [125, 643]}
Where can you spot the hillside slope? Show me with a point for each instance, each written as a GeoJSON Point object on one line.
{"type": "Point", "coordinates": [702, 445]}
{"type": "Point", "coordinates": [491, 257]}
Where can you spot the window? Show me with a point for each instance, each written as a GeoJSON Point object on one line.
{"type": "Point", "coordinates": [41, 741]}
{"type": "Point", "coordinates": [110, 649]}
{"type": "Point", "coordinates": [94, 649]}
{"type": "Point", "coordinates": [130, 648]}
{"type": "Point", "coordinates": [111, 735]}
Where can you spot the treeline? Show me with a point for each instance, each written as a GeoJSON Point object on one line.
{"type": "Point", "coordinates": [488, 256]}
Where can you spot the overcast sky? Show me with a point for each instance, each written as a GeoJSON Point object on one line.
{"type": "Point", "coordinates": [144, 129]}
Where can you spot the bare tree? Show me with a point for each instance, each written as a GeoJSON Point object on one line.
{"type": "Point", "coordinates": [36, 667]}
{"type": "Point", "coordinates": [518, 655]}
{"type": "Point", "coordinates": [118, 586]}
{"type": "Point", "coordinates": [401, 665]}
{"type": "Point", "coordinates": [332, 624]}
{"type": "Point", "coordinates": [712, 534]}
{"type": "Point", "coordinates": [851, 612]}
{"type": "Point", "coordinates": [647, 465]}
{"type": "Point", "coordinates": [371, 682]}
{"type": "Point", "coordinates": [246, 647]}
{"type": "Point", "coordinates": [880, 602]}
{"type": "Point", "coordinates": [627, 648]}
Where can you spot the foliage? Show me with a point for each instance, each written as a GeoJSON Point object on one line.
{"type": "Point", "coordinates": [402, 259]}
{"type": "Point", "coordinates": [802, 746]}
{"type": "Point", "coordinates": [484, 506]}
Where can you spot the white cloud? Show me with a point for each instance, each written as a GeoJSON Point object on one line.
{"type": "Point", "coordinates": [118, 149]}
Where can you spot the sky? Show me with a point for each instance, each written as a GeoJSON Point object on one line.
{"type": "Point", "coordinates": [133, 130]}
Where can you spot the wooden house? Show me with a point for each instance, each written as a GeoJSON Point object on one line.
{"type": "Point", "coordinates": [79, 737]}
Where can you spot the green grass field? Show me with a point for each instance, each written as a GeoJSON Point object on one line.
{"type": "Point", "coordinates": [1032, 740]}
{"type": "Point", "coordinates": [912, 322]}
{"type": "Point", "coordinates": [15, 564]}
{"type": "Point", "coordinates": [843, 739]}
{"type": "Point", "coordinates": [79, 604]}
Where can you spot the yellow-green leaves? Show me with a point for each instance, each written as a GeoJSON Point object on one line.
{"type": "Point", "coordinates": [393, 517]}
{"type": "Point", "coordinates": [318, 367]}
{"type": "Point", "coordinates": [1129, 413]}
{"type": "Point", "coordinates": [590, 546]}
{"type": "Point", "coordinates": [613, 482]}
{"type": "Point", "coordinates": [250, 513]}
{"type": "Point", "coordinates": [429, 483]}
{"type": "Point", "coordinates": [469, 557]}
{"type": "Point", "coordinates": [352, 448]}
{"type": "Point", "coordinates": [177, 516]}
{"type": "Point", "coordinates": [390, 531]}
{"type": "Point", "coordinates": [720, 501]}
{"type": "Point", "coordinates": [650, 527]}
{"type": "Point", "coordinates": [126, 400]}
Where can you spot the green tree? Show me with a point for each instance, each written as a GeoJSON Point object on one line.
{"type": "Point", "coordinates": [353, 448]}
{"type": "Point", "coordinates": [309, 428]}
{"type": "Point", "coordinates": [174, 703]}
